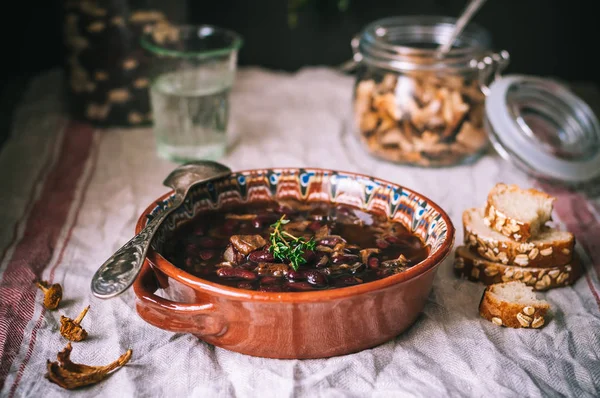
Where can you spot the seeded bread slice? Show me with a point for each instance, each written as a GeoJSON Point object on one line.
{"type": "Point", "coordinates": [517, 213]}
{"type": "Point", "coordinates": [475, 268]}
{"type": "Point", "coordinates": [513, 304]}
{"type": "Point", "coordinates": [550, 248]}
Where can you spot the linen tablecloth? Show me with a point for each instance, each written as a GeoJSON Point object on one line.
{"type": "Point", "coordinates": [71, 195]}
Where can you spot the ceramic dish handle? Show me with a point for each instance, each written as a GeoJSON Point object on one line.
{"type": "Point", "coordinates": [198, 319]}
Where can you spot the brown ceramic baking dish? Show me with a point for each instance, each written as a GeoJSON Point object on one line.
{"type": "Point", "coordinates": [314, 324]}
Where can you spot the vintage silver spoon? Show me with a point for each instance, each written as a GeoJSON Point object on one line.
{"type": "Point", "coordinates": [118, 272]}
{"type": "Point", "coordinates": [460, 25]}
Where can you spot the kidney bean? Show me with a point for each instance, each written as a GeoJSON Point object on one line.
{"type": "Point", "coordinates": [190, 262]}
{"type": "Point", "coordinates": [300, 286]}
{"type": "Point", "coordinates": [339, 258]}
{"type": "Point", "coordinates": [199, 230]}
{"type": "Point", "coordinates": [236, 273]}
{"type": "Point", "coordinates": [337, 282]}
{"type": "Point", "coordinates": [315, 278]}
{"type": "Point", "coordinates": [246, 285]}
{"type": "Point", "coordinates": [229, 226]}
{"type": "Point", "coordinates": [330, 241]}
{"type": "Point", "coordinates": [383, 272]}
{"type": "Point", "coordinates": [309, 256]}
{"type": "Point", "coordinates": [203, 270]}
{"type": "Point", "coordinates": [269, 280]}
{"type": "Point", "coordinates": [382, 244]}
{"type": "Point", "coordinates": [206, 254]}
{"type": "Point", "coordinates": [296, 275]}
{"type": "Point", "coordinates": [191, 247]}
{"type": "Point", "coordinates": [392, 239]}
{"type": "Point", "coordinates": [373, 262]}
{"type": "Point", "coordinates": [270, 288]}
{"type": "Point", "coordinates": [261, 256]}
{"type": "Point", "coordinates": [209, 243]}
{"type": "Point", "coordinates": [314, 226]}
{"type": "Point", "coordinates": [248, 266]}
{"type": "Point", "coordinates": [347, 281]}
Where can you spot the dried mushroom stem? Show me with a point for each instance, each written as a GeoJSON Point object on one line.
{"type": "Point", "coordinates": [71, 328]}
{"type": "Point", "coordinates": [52, 294]}
{"type": "Point", "coordinates": [81, 315]}
{"type": "Point", "coordinates": [72, 375]}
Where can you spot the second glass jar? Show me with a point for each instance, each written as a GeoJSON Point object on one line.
{"type": "Point", "coordinates": [412, 106]}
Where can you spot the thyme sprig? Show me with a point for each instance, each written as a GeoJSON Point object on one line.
{"type": "Point", "coordinates": [287, 247]}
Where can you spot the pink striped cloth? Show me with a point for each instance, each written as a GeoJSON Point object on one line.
{"type": "Point", "coordinates": [72, 195]}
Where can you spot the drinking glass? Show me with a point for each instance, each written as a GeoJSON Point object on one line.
{"type": "Point", "coordinates": [192, 70]}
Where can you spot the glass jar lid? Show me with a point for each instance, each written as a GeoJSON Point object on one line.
{"type": "Point", "coordinates": [544, 129]}
{"type": "Point", "coordinates": [410, 43]}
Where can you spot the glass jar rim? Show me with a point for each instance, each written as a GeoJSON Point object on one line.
{"type": "Point", "coordinates": [392, 43]}
{"type": "Point", "coordinates": [203, 31]}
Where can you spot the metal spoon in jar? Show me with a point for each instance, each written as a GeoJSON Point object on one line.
{"type": "Point", "coordinates": [120, 270]}
{"type": "Point", "coordinates": [460, 25]}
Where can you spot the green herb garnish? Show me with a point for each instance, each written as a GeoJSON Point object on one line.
{"type": "Point", "coordinates": [285, 246]}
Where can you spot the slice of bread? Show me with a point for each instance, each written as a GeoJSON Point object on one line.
{"type": "Point", "coordinates": [517, 213]}
{"type": "Point", "coordinates": [470, 265]}
{"type": "Point", "coordinates": [513, 304]}
{"type": "Point", "coordinates": [550, 248]}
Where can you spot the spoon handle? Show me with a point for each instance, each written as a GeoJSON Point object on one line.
{"type": "Point", "coordinates": [120, 270]}
{"type": "Point", "coordinates": [463, 20]}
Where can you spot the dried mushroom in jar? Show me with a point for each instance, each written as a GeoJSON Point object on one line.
{"type": "Point", "coordinates": [421, 118]}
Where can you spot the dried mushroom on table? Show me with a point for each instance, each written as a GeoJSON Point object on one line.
{"type": "Point", "coordinates": [421, 118]}
{"type": "Point", "coordinates": [52, 294]}
{"type": "Point", "coordinates": [72, 375]}
{"type": "Point", "coordinates": [71, 329]}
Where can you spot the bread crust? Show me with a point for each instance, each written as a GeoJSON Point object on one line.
{"type": "Point", "coordinates": [475, 268]}
{"type": "Point", "coordinates": [517, 230]}
{"type": "Point", "coordinates": [524, 254]}
{"type": "Point", "coordinates": [510, 314]}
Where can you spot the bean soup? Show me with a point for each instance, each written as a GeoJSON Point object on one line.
{"type": "Point", "coordinates": [292, 246]}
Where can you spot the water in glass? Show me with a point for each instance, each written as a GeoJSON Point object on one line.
{"type": "Point", "coordinates": [190, 109]}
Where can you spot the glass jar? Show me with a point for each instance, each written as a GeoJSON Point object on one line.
{"type": "Point", "coordinates": [411, 106]}
{"type": "Point", "coordinates": [107, 70]}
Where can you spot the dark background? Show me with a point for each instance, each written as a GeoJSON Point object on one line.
{"type": "Point", "coordinates": [544, 37]}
